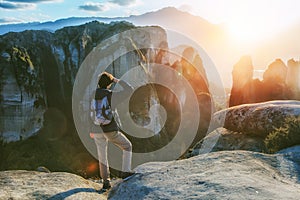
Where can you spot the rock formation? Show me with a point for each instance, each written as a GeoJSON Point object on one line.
{"type": "Point", "coordinates": [276, 71]}
{"type": "Point", "coordinates": [22, 105]}
{"type": "Point", "coordinates": [190, 66]}
{"type": "Point", "coordinates": [274, 81]}
{"type": "Point", "coordinates": [293, 78]}
{"type": "Point", "coordinates": [242, 78]}
{"type": "Point", "coordinates": [38, 69]}
{"type": "Point", "coordinates": [276, 85]}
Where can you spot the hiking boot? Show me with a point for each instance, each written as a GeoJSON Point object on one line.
{"type": "Point", "coordinates": [126, 174]}
{"type": "Point", "coordinates": [106, 185]}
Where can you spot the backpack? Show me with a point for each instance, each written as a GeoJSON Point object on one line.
{"type": "Point", "coordinates": [101, 112]}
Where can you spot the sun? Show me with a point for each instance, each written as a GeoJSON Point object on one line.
{"type": "Point", "coordinates": [245, 31]}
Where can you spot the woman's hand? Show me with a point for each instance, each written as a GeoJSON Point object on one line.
{"type": "Point", "coordinates": [92, 135]}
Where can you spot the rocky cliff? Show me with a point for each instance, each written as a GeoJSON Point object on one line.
{"type": "Point", "coordinates": [38, 69]}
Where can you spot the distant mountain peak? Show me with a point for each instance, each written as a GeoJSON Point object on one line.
{"type": "Point", "coordinates": [169, 9]}
{"type": "Point", "coordinates": [143, 19]}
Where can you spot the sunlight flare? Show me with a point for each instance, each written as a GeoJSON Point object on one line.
{"type": "Point", "coordinates": [246, 30]}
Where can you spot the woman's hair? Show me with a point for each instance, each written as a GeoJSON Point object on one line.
{"type": "Point", "coordinates": [105, 79]}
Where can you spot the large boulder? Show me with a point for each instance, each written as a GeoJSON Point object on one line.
{"type": "Point", "coordinates": [219, 175]}
{"type": "Point", "coordinates": [257, 119]}
{"type": "Point", "coordinates": [23, 185]}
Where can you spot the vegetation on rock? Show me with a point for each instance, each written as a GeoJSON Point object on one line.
{"type": "Point", "coordinates": [285, 136]}
{"type": "Point", "coordinates": [25, 73]}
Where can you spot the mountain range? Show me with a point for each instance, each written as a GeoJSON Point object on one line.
{"type": "Point", "coordinates": [214, 39]}
{"type": "Point", "coordinates": [161, 17]}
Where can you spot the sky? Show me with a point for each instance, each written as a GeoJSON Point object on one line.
{"type": "Point", "coordinates": [240, 17]}
{"type": "Point", "coordinates": [247, 14]}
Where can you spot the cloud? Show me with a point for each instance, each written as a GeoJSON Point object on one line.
{"type": "Point", "coordinates": [123, 2]}
{"type": "Point", "coordinates": [94, 7]}
{"type": "Point", "coordinates": [33, 1]}
{"type": "Point", "coordinates": [23, 4]}
{"type": "Point", "coordinates": [105, 6]}
{"type": "Point", "coordinates": [9, 20]}
{"type": "Point", "coordinates": [16, 6]}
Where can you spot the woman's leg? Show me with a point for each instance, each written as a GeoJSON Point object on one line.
{"type": "Point", "coordinates": [123, 143]}
{"type": "Point", "coordinates": [101, 143]}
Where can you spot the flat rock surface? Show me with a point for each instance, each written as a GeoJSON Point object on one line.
{"type": "Point", "coordinates": [23, 184]}
{"type": "Point", "coordinates": [219, 175]}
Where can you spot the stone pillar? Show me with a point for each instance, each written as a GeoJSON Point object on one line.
{"type": "Point", "coordinates": [293, 78]}
{"type": "Point", "coordinates": [242, 76]}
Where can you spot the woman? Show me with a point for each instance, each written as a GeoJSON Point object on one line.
{"type": "Point", "coordinates": [111, 131]}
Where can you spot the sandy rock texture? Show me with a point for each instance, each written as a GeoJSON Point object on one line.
{"type": "Point", "coordinates": [23, 185]}
{"type": "Point", "coordinates": [219, 175]}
